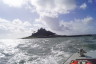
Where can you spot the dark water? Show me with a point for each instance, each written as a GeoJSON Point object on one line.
{"type": "Point", "coordinates": [43, 51]}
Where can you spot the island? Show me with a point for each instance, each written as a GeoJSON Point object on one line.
{"type": "Point", "coordinates": [43, 33]}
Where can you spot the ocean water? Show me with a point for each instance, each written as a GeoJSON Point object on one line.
{"type": "Point", "coordinates": [43, 50]}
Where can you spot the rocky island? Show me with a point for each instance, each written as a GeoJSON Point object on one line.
{"type": "Point", "coordinates": [43, 33]}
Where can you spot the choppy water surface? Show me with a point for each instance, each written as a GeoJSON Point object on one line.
{"type": "Point", "coordinates": [43, 51]}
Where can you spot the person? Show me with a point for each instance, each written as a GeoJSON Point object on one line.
{"type": "Point", "coordinates": [81, 51]}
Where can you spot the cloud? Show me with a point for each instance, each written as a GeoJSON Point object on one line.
{"type": "Point", "coordinates": [53, 7]}
{"type": "Point", "coordinates": [49, 12]}
{"type": "Point", "coordinates": [50, 22]}
{"type": "Point", "coordinates": [21, 28]}
{"type": "Point", "coordinates": [83, 6]}
{"type": "Point", "coordinates": [77, 26]}
{"type": "Point", "coordinates": [44, 7]}
{"type": "Point", "coordinates": [15, 3]}
{"type": "Point", "coordinates": [87, 20]}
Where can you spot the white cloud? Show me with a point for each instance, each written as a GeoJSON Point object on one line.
{"type": "Point", "coordinates": [50, 22]}
{"type": "Point", "coordinates": [15, 3]}
{"type": "Point", "coordinates": [21, 28]}
{"type": "Point", "coordinates": [83, 6]}
{"type": "Point", "coordinates": [48, 10]}
{"type": "Point", "coordinates": [53, 7]}
{"type": "Point", "coordinates": [87, 20]}
{"type": "Point", "coordinates": [44, 7]}
{"type": "Point", "coordinates": [77, 26]}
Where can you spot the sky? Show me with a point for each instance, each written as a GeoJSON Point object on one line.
{"type": "Point", "coordinates": [20, 18]}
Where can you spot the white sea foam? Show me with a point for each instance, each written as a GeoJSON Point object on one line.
{"type": "Point", "coordinates": [43, 51]}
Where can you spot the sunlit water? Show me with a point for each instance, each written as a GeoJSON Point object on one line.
{"type": "Point", "coordinates": [43, 51]}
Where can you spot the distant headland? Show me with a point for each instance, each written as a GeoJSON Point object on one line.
{"type": "Point", "coordinates": [43, 33]}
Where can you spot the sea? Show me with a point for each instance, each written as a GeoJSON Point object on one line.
{"type": "Point", "coordinates": [44, 50]}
